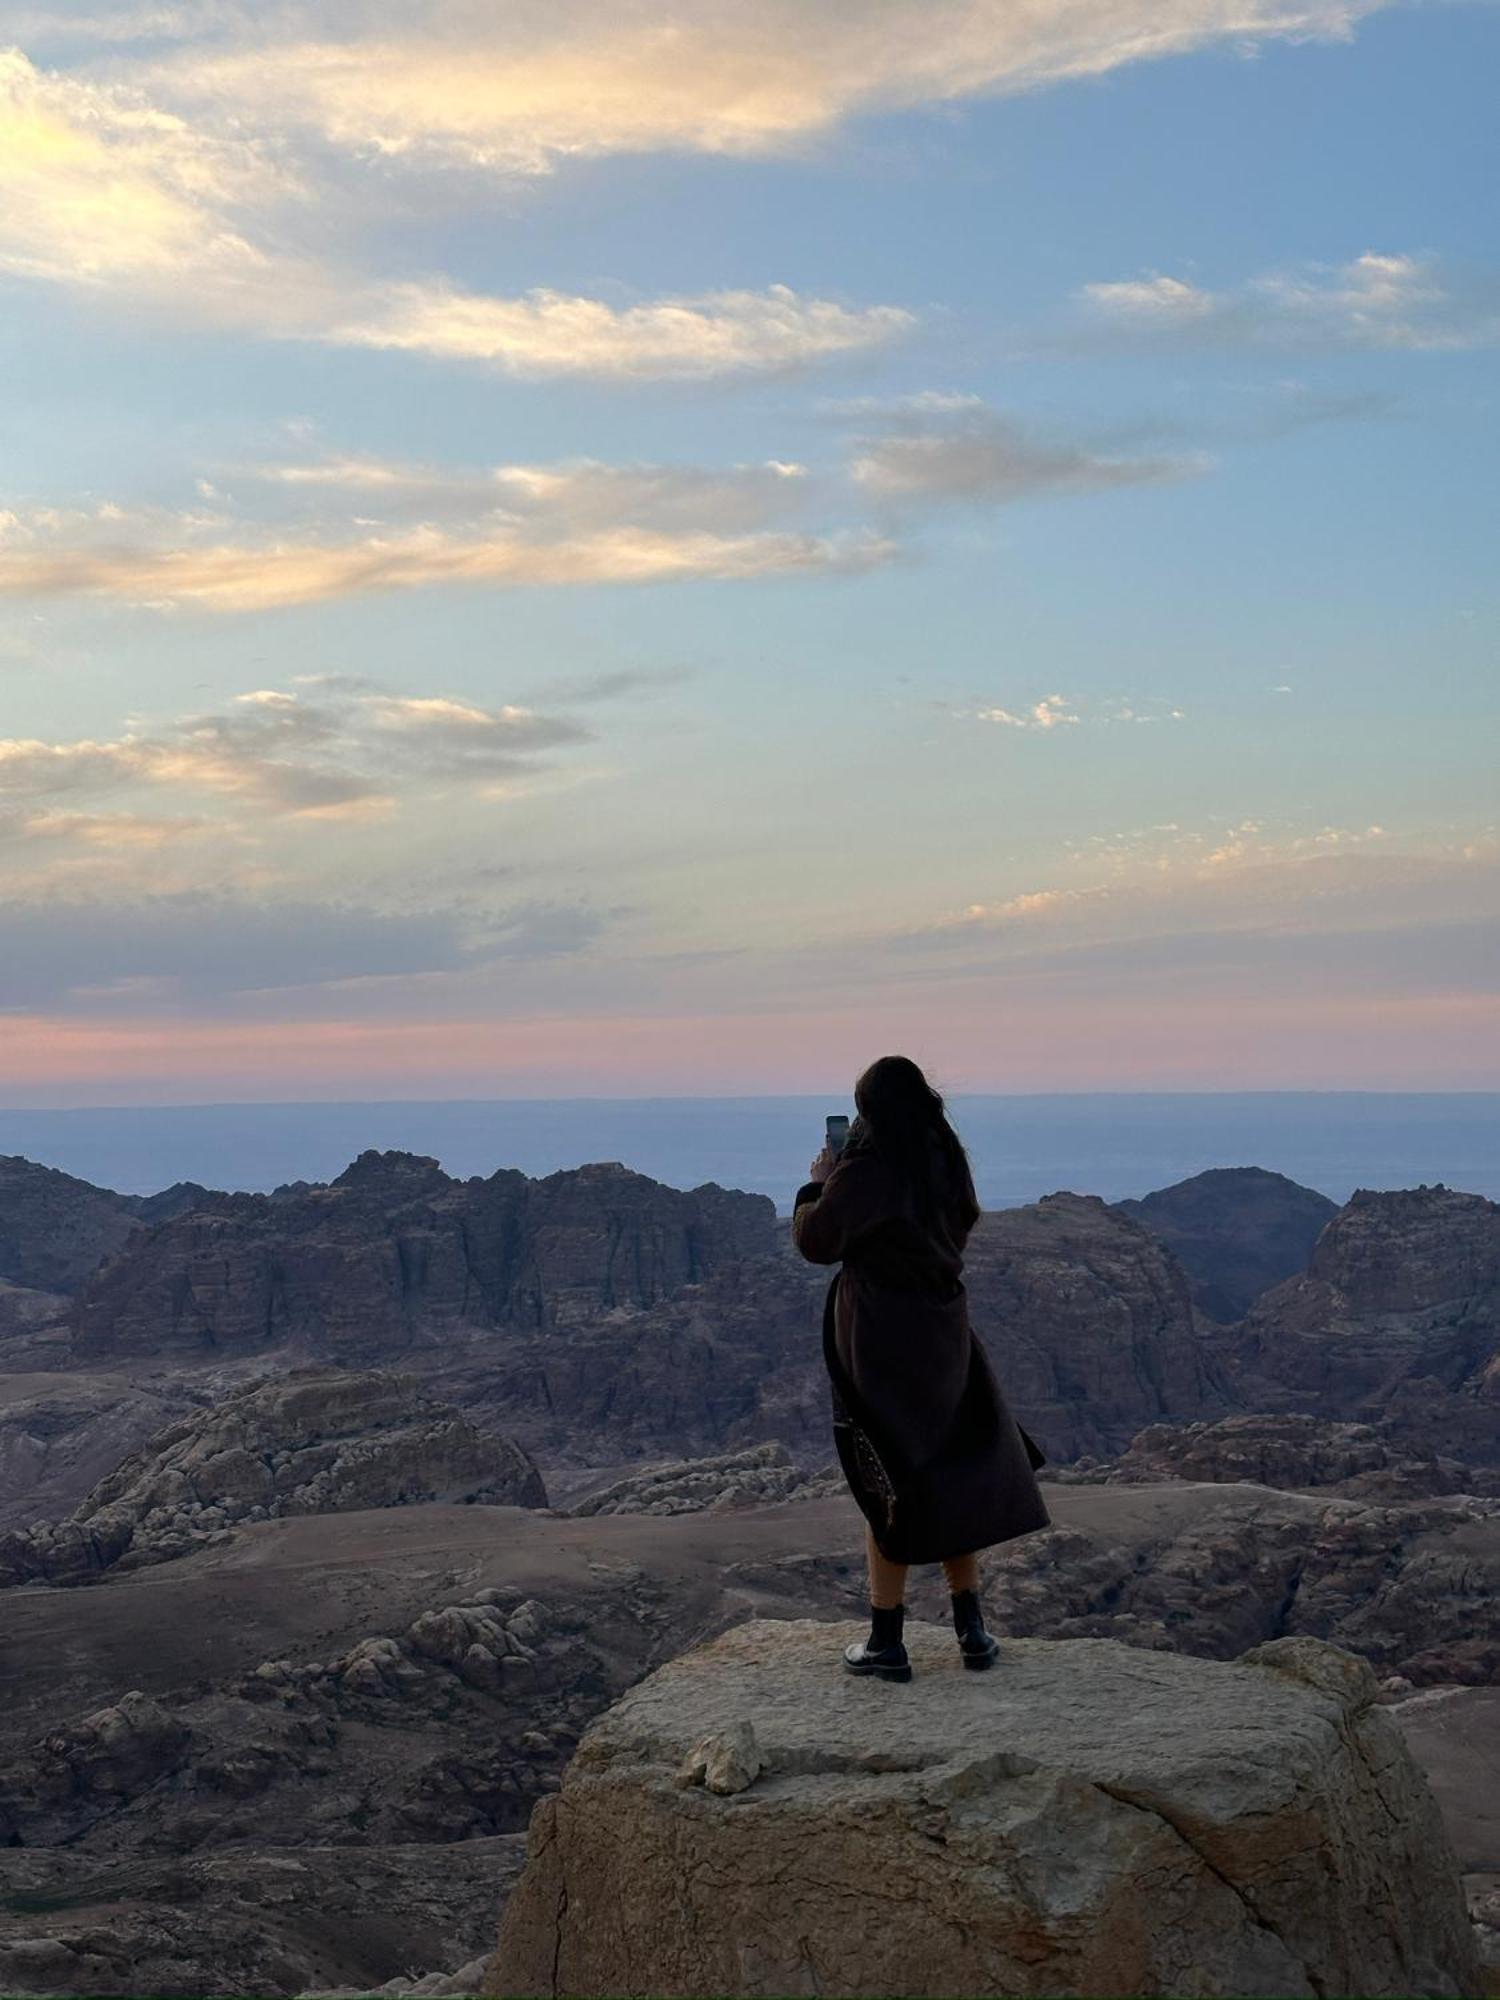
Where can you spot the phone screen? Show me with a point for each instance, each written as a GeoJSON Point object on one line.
{"type": "Point", "coordinates": [838, 1131]}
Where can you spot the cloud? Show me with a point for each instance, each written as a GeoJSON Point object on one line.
{"type": "Point", "coordinates": [550, 333]}
{"type": "Point", "coordinates": [955, 449]}
{"type": "Point", "coordinates": [1377, 300]}
{"type": "Point", "coordinates": [521, 90]}
{"type": "Point", "coordinates": [565, 528]}
{"type": "Point", "coordinates": [341, 755]}
{"type": "Point", "coordinates": [1053, 711]}
{"type": "Point", "coordinates": [193, 167]}
{"type": "Point", "coordinates": [614, 682]}
{"type": "Point", "coordinates": [565, 497]}
{"type": "Point", "coordinates": [101, 188]}
{"type": "Point", "coordinates": [200, 952]}
{"type": "Point", "coordinates": [1061, 711]}
{"type": "Point", "coordinates": [1171, 890]}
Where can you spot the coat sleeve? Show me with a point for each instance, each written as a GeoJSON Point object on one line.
{"type": "Point", "coordinates": [828, 1215]}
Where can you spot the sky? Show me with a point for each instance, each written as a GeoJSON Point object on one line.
{"type": "Point", "coordinates": [613, 547]}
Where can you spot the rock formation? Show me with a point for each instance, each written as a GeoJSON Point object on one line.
{"type": "Point", "coordinates": [55, 1230]}
{"type": "Point", "coordinates": [60, 1434]}
{"type": "Point", "coordinates": [756, 1477]}
{"type": "Point", "coordinates": [1087, 1818]}
{"type": "Point", "coordinates": [1413, 1588]}
{"type": "Point", "coordinates": [315, 1441]}
{"type": "Point", "coordinates": [1236, 1231]}
{"type": "Point", "coordinates": [1089, 1322]}
{"type": "Point", "coordinates": [1289, 1450]}
{"type": "Point", "coordinates": [394, 1253]}
{"type": "Point", "coordinates": [1397, 1318]}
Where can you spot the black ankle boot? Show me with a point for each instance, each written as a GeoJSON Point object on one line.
{"type": "Point", "coordinates": [978, 1647]}
{"type": "Point", "coordinates": [883, 1653]}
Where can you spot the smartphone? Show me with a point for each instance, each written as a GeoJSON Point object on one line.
{"type": "Point", "coordinates": [838, 1132]}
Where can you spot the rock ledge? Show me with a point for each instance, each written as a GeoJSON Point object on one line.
{"type": "Point", "coordinates": [1087, 1818]}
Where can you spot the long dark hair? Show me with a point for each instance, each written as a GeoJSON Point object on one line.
{"type": "Point", "coordinates": [902, 1117]}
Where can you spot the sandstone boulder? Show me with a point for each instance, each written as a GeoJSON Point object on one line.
{"type": "Point", "coordinates": [1085, 1819]}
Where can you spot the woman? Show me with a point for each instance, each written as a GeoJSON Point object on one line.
{"type": "Point", "coordinates": [936, 1462]}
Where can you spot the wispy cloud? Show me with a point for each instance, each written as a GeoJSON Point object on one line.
{"type": "Point", "coordinates": [570, 524]}
{"type": "Point", "coordinates": [520, 91]}
{"type": "Point", "coordinates": [550, 333]}
{"type": "Point", "coordinates": [1053, 711]}
{"type": "Point", "coordinates": [198, 953]}
{"type": "Point", "coordinates": [332, 756]}
{"type": "Point", "coordinates": [1060, 711]}
{"type": "Point", "coordinates": [1376, 300]}
{"type": "Point", "coordinates": [941, 448]}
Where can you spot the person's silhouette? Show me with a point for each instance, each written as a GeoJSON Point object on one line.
{"type": "Point", "coordinates": [937, 1464]}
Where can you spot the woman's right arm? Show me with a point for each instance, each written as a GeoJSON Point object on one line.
{"type": "Point", "coordinates": [828, 1215]}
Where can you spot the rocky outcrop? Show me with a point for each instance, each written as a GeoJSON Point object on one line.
{"type": "Point", "coordinates": [1090, 1324]}
{"type": "Point", "coordinates": [55, 1230]}
{"type": "Point", "coordinates": [1236, 1231]}
{"type": "Point", "coordinates": [394, 1255]}
{"type": "Point", "coordinates": [250, 1922]}
{"type": "Point", "coordinates": [1397, 1318]}
{"type": "Point", "coordinates": [315, 1441]}
{"type": "Point", "coordinates": [1414, 1589]}
{"type": "Point", "coordinates": [223, 1763]}
{"type": "Point", "coordinates": [1290, 1450]}
{"type": "Point", "coordinates": [60, 1434]}
{"type": "Point", "coordinates": [756, 1477]}
{"type": "Point", "coordinates": [1086, 1819]}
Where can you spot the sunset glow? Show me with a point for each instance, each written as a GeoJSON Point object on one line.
{"type": "Point", "coordinates": [605, 550]}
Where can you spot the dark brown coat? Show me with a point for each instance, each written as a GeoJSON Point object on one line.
{"type": "Point", "coordinates": [932, 1454]}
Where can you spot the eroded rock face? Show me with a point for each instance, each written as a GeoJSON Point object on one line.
{"type": "Point", "coordinates": [1236, 1231]}
{"type": "Point", "coordinates": [394, 1253]}
{"type": "Point", "coordinates": [315, 1441]}
{"type": "Point", "coordinates": [55, 1230]}
{"type": "Point", "coordinates": [1087, 1818]}
{"type": "Point", "coordinates": [1288, 1449]}
{"type": "Point", "coordinates": [1396, 1319]}
{"type": "Point", "coordinates": [1088, 1319]}
{"type": "Point", "coordinates": [756, 1477]}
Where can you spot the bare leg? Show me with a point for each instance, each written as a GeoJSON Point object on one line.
{"type": "Point", "coordinates": [887, 1578]}
{"type": "Point", "coordinates": [962, 1572]}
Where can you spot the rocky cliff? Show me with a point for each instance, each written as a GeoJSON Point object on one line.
{"type": "Point", "coordinates": [394, 1253]}
{"type": "Point", "coordinates": [1085, 1819]}
{"type": "Point", "coordinates": [315, 1441]}
{"type": "Point", "coordinates": [55, 1230]}
{"type": "Point", "coordinates": [1236, 1231]}
{"type": "Point", "coordinates": [1090, 1323]}
{"type": "Point", "coordinates": [1288, 1449]}
{"type": "Point", "coordinates": [1397, 1319]}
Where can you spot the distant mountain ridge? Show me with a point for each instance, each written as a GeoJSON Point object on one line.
{"type": "Point", "coordinates": [394, 1249]}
